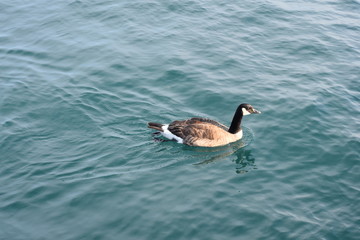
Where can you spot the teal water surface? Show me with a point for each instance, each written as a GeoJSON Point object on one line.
{"type": "Point", "coordinates": [79, 80]}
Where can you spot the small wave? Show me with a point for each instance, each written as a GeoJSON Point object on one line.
{"type": "Point", "coordinates": [166, 155]}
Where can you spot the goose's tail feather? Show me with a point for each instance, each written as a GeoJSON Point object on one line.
{"type": "Point", "coordinates": [156, 126]}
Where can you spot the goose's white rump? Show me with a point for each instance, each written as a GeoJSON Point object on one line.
{"type": "Point", "coordinates": [166, 133]}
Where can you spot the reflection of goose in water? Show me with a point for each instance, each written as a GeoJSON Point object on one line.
{"type": "Point", "coordinates": [204, 132]}
{"type": "Point", "coordinates": [232, 149]}
{"type": "Point", "coordinates": [244, 160]}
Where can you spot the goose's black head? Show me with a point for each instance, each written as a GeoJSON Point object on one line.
{"type": "Point", "coordinates": [247, 109]}
{"type": "Point", "coordinates": [242, 110]}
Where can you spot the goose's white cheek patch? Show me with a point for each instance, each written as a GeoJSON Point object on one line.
{"type": "Point", "coordinates": [245, 112]}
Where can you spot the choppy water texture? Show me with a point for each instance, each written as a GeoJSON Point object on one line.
{"type": "Point", "coordinates": [80, 79]}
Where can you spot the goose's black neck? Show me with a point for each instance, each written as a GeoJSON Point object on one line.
{"type": "Point", "coordinates": [236, 122]}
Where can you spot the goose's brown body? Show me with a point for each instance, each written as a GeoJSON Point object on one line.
{"type": "Point", "coordinates": [202, 132]}
{"type": "Point", "coordinates": [205, 132]}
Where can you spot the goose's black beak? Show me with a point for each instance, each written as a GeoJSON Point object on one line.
{"type": "Point", "coordinates": [256, 111]}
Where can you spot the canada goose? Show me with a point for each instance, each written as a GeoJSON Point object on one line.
{"type": "Point", "coordinates": [204, 132]}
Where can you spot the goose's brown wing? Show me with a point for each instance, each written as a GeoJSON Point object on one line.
{"type": "Point", "coordinates": [206, 120]}
{"type": "Point", "coordinates": [200, 132]}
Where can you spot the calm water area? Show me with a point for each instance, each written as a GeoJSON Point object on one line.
{"type": "Point", "coordinates": [79, 80]}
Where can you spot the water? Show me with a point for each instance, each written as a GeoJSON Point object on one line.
{"type": "Point", "coordinates": [79, 80]}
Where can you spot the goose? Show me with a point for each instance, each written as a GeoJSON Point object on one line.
{"type": "Point", "coordinates": [203, 132]}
